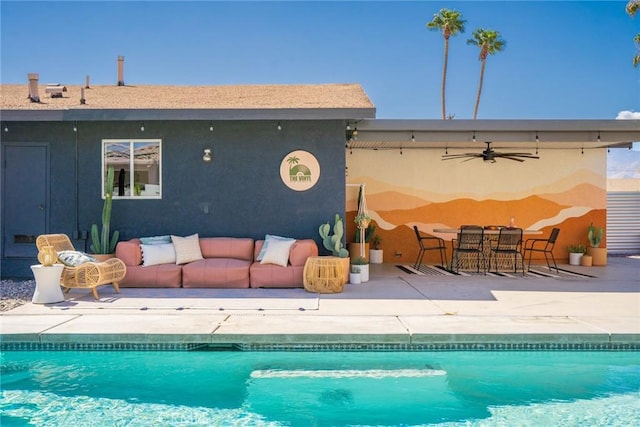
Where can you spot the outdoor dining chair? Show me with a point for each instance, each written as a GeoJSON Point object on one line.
{"type": "Point", "coordinates": [470, 243]}
{"type": "Point", "coordinates": [544, 246]}
{"type": "Point", "coordinates": [429, 243]}
{"type": "Point", "coordinates": [508, 245]}
{"type": "Point", "coordinates": [88, 275]}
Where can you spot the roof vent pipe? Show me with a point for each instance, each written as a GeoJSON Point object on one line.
{"type": "Point", "coordinates": [86, 82]}
{"type": "Point", "coordinates": [120, 70]}
{"type": "Point", "coordinates": [33, 87]}
{"type": "Point", "coordinates": [83, 100]}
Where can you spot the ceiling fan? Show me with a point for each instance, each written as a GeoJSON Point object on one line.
{"type": "Point", "coordinates": [489, 155]}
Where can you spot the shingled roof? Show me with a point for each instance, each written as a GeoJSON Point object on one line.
{"type": "Point", "coordinates": [310, 100]}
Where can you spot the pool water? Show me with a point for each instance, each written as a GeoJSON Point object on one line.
{"type": "Point", "coordinates": [204, 388]}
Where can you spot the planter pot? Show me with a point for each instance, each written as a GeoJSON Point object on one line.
{"type": "Point", "coordinates": [364, 273]}
{"type": "Point", "coordinates": [599, 256]}
{"type": "Point", "coordinates": [354, 251]}
{"type": "Point", "coordinates": [354, 278]}
{"type": "Point", "coordinates": [103, 257]}
{"type": "Point", "coordinates": [375, 256]}
{"type": "Point", "coordinates": [345, 269]}
{"type": "Point", "coordinates": [574, 258]}
{"type": "Point", "coordinates": [586, 261]}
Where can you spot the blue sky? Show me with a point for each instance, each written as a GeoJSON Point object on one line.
{"type": "Point", "coordinates": [564, 60]}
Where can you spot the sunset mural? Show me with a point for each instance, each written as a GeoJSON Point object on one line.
{"type": "Point", "coordinates": [564, 189]}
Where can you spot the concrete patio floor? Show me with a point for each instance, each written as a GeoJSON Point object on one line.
{"type": "Point", "coordinates": [394, 308]}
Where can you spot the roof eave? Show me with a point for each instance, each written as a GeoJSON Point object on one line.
{"type": "Point", "coordinates": [190, 114]}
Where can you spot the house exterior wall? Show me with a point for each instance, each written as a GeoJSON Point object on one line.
{"type": "Point", "coordinates": [564, 188]}
{"type": "Point", "coordinates": [240, 193]}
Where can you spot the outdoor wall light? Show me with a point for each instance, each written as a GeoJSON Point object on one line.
{"type": "Point", "coordinates": [75, 127]}
{"type": "Point", "coordinates": [142, 127]}
{"type": "Point", "coordinates": [598, 136]}
{"type": "Point", "coordinates": [6, 128]}
{"type": "Point", "coordinates": [537, 139]}
{"type": "Point", "coordinates": [207, 156]}
{"type": "Point", "coordinates": [279, 126]}
{"type": "Point", "coordinates": [473, 137]}
{"type": "Point", "coordinates": [354, 134]}
{"type": "Point", "coordinates": [211, 127]}
{"type": "Point", "coordinates": [413, 137]}
{"type": "Point", "coordinates": [348, 126]}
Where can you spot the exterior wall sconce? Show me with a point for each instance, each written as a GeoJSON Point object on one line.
{"type": "Point", "coordinates": [207, 156]}
{"type": "Point", "coordinates": [211, 127]}
{"type": "Point", "coordinates": [279, 126]}
{"type": "Point", "coordinates": [6, 128]}
{"type": "Point", "coordinates": [142, 127]}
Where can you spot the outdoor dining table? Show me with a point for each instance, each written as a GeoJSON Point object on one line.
{"type": "Point", "coordinates": [491, 234]}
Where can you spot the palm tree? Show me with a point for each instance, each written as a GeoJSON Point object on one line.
{"type": "Point", "coordinates": [450, 23]}
{"type": "Point", "coordinates": [293, 160]}
{"type": "Point", "coordinates": [490, 43]}
{"type": "Point", "coordinates": [632, 8]}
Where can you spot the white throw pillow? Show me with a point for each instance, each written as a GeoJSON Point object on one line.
{"type": "Point", "coordinates": [155, 254]}
{"type": "Point", "coordinates": [268, 239]}
{"type": "Point", "coordinates": [278, 252]}
{"type": "Point", "coordinates": [187, 248]}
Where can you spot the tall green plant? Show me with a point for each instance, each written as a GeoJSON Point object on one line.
{"type": "Point", "coordinates": [333, 242]}
{"type": "Point", "coordinates": [595, 235]}
{"type": "Point", "coordinates": [101, 244]}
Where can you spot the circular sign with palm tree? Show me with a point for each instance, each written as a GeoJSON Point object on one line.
{"type": "Point", "coordinates": [300, 170]}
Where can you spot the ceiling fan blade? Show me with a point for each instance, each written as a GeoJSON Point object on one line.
{"type": "Point", "coordinates": [459, 156]}
{"type": "Point", "coordinates": [504, 156]}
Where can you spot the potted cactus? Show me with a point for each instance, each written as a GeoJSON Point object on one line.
{"type": "Point", "coordinates": [103, 243]}
{"type": "Point", "coordinates": [333, 242]}
{"type": "Point", "coordinates": [376, 254]}
{"type": "Point", "coordinates": [363, 265]}
{"type": "Point", "coordinates": [598, 254]}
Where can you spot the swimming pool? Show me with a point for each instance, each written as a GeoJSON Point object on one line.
{"type": "Point", "coordinates": [204, 388]}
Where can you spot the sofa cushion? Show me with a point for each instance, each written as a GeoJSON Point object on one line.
{"type": "Point", "coordinates": [301, 250]}
{"type": "Point", "coordinates": [129, 252]}
{"type": "Point", "coordinates": [227, 247]}
{"type": "Point", "coordinates": [187, 248]}
{"type": "Point", "coordinates": [216, 273]}
{"type": "Point", "coordinates": [267, 239]}
{"type": "Point", "coordinates": [277, 252]}
{"type": "Point", "coordinates": [275, 276]}
{"type": "Point", "coordinates": [158, 254]}
{"type": "Point", "coordinates": [155, 276]}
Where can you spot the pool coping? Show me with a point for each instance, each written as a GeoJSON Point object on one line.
{"type": "Point", "coordinates": [395, 311]}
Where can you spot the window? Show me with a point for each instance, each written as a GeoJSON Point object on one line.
{"type": "Point", "coordinates": [136, 164]}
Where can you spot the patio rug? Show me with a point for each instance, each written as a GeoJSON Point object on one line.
{"type": "Point", "coordinates": [537, 272]}
{"type": "Point", "coordinates": [191, 299]}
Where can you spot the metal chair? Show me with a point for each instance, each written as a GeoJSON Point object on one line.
{"type": "Point", "coordinates": [470, 241]}
{"type": "Point", "coordinates": [509, 243]}
{"type": "Point", "coordinates": [545, 246]}
{"type": "Point", "coordinates": [89, 275]}
{"type": "Point", "coordinates": [432, 243]}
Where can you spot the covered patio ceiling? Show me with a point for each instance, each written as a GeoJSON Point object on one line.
{"type": "Point", "coordinates": [388, 134]}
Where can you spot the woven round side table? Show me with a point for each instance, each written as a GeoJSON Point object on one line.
{"type": "Point", "coordinates": [323, 275]}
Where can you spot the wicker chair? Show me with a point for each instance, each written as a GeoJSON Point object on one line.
{"type": "Point", "coordinates": [89, 275]}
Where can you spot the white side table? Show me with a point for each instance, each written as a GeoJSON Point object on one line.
{"type": "Point", "coordinates": [47, 284]}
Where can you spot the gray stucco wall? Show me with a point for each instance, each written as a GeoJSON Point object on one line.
{"type": "Point", "coordinates": [242, 185]}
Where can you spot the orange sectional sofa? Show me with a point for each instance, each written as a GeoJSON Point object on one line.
{"type": "Point", "coordinates": [227, 262]}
